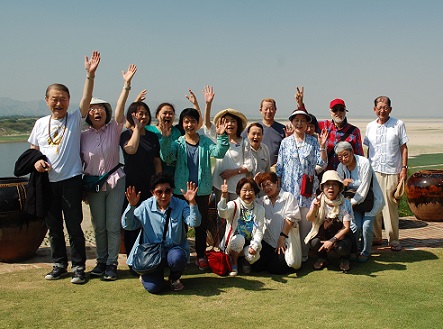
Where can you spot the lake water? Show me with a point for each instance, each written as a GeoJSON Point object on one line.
{"type": "Point", "coordinates": [9, 153]}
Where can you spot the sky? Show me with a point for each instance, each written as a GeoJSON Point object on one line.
{"type": "Point", "coordinates": [247, 50]}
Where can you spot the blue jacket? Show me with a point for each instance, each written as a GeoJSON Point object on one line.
{"type": "Point", "coordinates": [153, 221]}
{"type": "Point", "coordinates": [171, 150]}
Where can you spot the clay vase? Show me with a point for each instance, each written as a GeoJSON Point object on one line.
{"type": "Point", "coordinates": [424, 192]}
{"type": "Point", "coordinates": [20, 234]}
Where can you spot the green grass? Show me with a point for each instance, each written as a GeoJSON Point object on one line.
{"type": "Point", "coordinates": [392, 290]}
{"type": "Point", "coordinates": [14, 138]}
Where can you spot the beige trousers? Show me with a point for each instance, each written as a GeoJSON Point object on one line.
{"type": "Point", "coordinates": [389, 213]}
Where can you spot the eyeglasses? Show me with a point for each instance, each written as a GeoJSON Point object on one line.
{"type": "Point", "coordinates": [96, 109]}
{"type": "Point", "coordinates": [383, 108]}
{"type": "Point", "coordinates": [299, 121]}
{"type": "Point", "coordinates": [267, 184]}
{"type": "Point", "coordinates": [159, 193]}
{"type": "Point", "coordinates": [339, 109]}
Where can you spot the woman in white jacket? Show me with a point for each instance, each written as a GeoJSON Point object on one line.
{"type": "Point", "coordinates": [357, 174]}
{"type": "Point", "coordinates": [244, 224]}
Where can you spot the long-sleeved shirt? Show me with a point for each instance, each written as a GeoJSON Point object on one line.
{"type": "Point", "coordinates": [153, 220]}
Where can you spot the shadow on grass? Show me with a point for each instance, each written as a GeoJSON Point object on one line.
{"type": "Point", "coordinates": [390, 260]}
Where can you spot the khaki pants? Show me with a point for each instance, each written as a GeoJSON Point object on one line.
{"type": "Point", "coordinates": [389, 213]}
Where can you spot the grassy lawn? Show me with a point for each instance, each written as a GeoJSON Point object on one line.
{"type": "Point", "coordinates": [392, 290]}
{"type": "Point", "coordinates": [14, 138]}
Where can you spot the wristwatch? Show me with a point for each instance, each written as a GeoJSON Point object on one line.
{"type": "Point", "coordinates": [406, 167]}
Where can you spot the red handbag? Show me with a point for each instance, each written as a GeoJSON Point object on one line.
{"type": "Point", "coordinates": [307, 185]}
{"type": "Point", "coordinates": [218, 260]}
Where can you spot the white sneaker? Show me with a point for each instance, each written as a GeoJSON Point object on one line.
{"type": "Point", "coordinates": [234, 271]}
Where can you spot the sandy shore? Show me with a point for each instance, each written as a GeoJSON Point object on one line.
{"type": "Point", "coordinates": [425, 135]}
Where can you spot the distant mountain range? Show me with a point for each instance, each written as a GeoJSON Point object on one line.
{"type": "Point", "coordinates": [12, 107]}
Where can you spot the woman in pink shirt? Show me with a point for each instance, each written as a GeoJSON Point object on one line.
{"type": "Point", "coordinates": [100, 154]}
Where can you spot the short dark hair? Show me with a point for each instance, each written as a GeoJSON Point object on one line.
{"type": "Point", "coordinates": [188, 112]}
{"type": "Point", "coordinates": [162, 105]}
{"type": "Point", "coordinates": [161, 178]}
{"type": "Point", "coordinates": [314, 122]}
{"type": "Point", "coordinates": [384, 99]}
{"type": "Point", "coordinates": [57, 86]}
{"type": "Point", "coordinates": [255, 124]}
{"type": "Point", "coordinates": [246, 180]}
{"type": "Point", "coordinates": [133, 109]}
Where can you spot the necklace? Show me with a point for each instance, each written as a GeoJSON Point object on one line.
{"type": "Point", "coordinates": [57, 138]}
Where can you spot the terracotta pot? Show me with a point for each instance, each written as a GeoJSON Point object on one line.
{"type": "Point", "coordinates": [424, 191]}
{"type": "Point", "coordinates": [20, 234]}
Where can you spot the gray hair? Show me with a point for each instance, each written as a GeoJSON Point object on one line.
{"type": "Point", "coordinates": [343, 146]}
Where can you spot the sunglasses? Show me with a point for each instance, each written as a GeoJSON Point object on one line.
{"type": "Point", "coordinates": [338, 109]}
{"type": "Point", "coordinates": [159, 193]}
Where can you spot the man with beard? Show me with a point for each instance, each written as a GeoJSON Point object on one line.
{"type": "Point", "coordinates": [340, 130]}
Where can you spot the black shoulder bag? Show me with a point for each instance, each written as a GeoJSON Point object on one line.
{"type": "Point", "coordinates": [148, 257]}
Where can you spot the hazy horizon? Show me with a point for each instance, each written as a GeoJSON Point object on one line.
{"type": "Point", "coordinates": [248, 50]}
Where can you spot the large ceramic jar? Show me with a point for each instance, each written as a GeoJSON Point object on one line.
{"type": "Point", "coordinates": [20, 233]}
{"type": "Point", "coordinates": [424, 191]}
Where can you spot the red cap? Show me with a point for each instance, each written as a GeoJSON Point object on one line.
{"type": "Point", "coordinates": [336, 102]}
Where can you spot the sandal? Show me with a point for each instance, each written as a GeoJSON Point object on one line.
{"type": "Point", "coordinates": [344, 265]}
{"type": "Point", "coordinates": [320, 264]}
{"type": "Point", "coordinates": [396, 248]}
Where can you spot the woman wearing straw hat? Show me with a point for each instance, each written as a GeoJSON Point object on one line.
{"type": "Point", "coordinates": [238, 160]}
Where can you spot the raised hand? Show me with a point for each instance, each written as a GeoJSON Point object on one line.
{"type": "Point", "coordinates": [137, 124]}
{"type": "Point", "coordinates": [323, 137]}
{"type": "Point", "coordinates": [317, 199]}
{"type": "Point", "coordinates": [92, 63]}
{"type": "Point", "coordinates": [208, 94]}
{"type": "Point", "coordinates": [127, 76]}
{"type": "Point", "coordinates": [191, 97]}
{"type": "Point", "coordinates": [224, 188]}
{"type": "Point", "coordinates": [141, 96]}
{"type": "Point", "coordinates": [289, 130]}
{"type": "Point", "coordinates": [220, 128]}
{"type": "Point", "coordinates": [299, 96]}
{"type": "Point", "coordinates": [164, 128]}
{"type": "Point", "coordinates": [190, 193]}
{"type": "Point", "coordinates": [132, 196]}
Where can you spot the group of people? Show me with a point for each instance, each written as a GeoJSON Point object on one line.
{"type": "Point", "coordinates": [267, 178]}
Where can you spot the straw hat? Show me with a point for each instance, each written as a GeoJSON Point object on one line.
{"type": "Point", "coordinates": [232, 112]}
{"type": "Point", "coordinates": [399, 191]}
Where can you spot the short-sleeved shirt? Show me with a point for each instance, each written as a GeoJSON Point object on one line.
{"type": "Point", "coordinates": [140, 167]}
{"type": "Point", "coordinates": [100, 151]}
{"type": "Point", "coordinates": [384, 142]}
{"type": "Point", "coordinates": [272, 137]}
{"type": "Point", "coordinates": [63, 152]}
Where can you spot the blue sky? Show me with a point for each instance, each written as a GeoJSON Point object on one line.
{"type": "Point", "coordinates": [248, 50]}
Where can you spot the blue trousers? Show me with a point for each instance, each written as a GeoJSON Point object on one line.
{"type": "Point", "coordinates": [176, 261]}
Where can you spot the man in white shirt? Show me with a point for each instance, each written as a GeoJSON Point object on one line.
{"type": "Point", "coordinates": [388, 153]}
